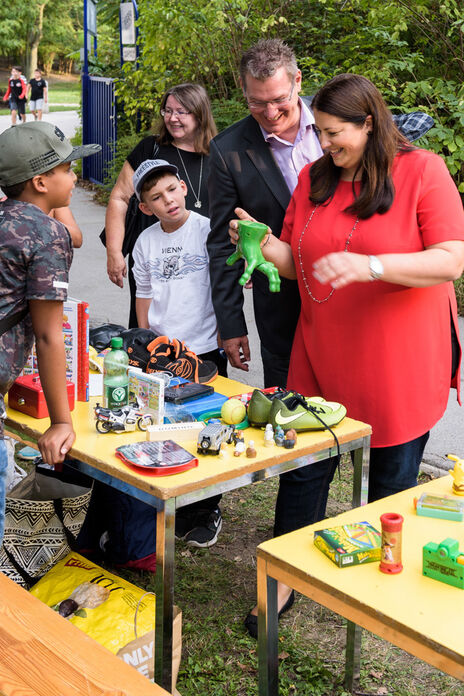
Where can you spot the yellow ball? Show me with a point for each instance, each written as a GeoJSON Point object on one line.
{"type": "Point", "coordinates": [233, 411]}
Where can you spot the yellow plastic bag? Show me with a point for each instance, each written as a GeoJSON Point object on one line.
{"type": "Point", "coordinates": [99, 603]}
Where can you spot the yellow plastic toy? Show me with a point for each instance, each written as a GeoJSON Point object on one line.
{"type": "Point", "coordinates": [457, 473]}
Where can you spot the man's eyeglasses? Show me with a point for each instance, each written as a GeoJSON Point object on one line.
{"type": "Point", "coordinates": [174, 112]}
{"type": "Point", "coordinates": [256, 105]}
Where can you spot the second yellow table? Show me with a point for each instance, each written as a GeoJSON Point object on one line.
{"type": "Point", "coordinates": [421, 615]}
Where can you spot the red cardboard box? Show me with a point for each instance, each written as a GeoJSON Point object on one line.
{"type": "Point", "coordinates": [26, 395]}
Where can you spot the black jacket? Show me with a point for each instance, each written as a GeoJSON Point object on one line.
{"type": "Point", "coordinates": [244, 173]}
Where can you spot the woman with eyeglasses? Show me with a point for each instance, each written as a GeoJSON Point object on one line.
{"type": "Point", "coordinates": [185, 129]}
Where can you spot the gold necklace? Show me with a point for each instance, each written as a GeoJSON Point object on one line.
{"type": "Point", "coordinates": [347, 244]}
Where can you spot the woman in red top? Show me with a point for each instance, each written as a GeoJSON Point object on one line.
{"type": "Point", "coordinates": [374, 235]}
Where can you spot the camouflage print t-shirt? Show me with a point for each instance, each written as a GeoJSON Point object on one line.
{"type": "Point", "coordinates": [35, 256]}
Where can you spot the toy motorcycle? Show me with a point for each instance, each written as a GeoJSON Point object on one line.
{"type": "Point", "coordinates": [121, 419]}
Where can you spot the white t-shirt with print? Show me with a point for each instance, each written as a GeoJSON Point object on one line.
{"type": "Point", "coordinates": [173, 270]}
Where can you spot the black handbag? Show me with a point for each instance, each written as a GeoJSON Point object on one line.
{"type": "Point", "coordinates": [135, 221]}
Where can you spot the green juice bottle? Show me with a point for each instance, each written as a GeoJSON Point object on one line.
{"type": "Point", "coordinates": [115, 378]}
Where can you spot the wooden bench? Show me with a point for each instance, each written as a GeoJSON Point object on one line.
{"type": "Point", "coordinates": [43, 654]}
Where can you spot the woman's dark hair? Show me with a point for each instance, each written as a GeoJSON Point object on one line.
{"type": "Point", "coordinates": [353, 98]}
{"type": "Point", "coordinates": [195, 100]}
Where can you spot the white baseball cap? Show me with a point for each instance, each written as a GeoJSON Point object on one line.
{"type": "Point", "coordinates": [147, 168]}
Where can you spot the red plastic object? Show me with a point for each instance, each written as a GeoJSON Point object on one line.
{"type": "Point", "coordinates": [392, 527]}
{"type": "Point", "coordinates": [26, 395]}
{"type": "Point", "coordinates": [246, 396]}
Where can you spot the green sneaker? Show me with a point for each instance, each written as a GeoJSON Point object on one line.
{"type": "Point", "coordinates": [305, 413]}
{"type": "Point", "coordinates": [259, 407]}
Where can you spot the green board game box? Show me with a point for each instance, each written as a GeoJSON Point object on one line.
{"type": "Point", "coordinates": [351, 544]}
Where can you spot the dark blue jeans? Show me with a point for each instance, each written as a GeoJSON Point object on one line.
{"type": "Point", "coordinates": [303, 493]}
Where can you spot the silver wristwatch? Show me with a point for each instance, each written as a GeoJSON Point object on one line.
{"type": "Point", "coordinates": [375, 268]}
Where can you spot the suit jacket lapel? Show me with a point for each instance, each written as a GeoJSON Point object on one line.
{"type": "Point", "coordinates": [262, 158]}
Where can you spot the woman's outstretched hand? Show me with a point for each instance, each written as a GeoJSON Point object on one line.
{"type": "Point", "coordinates": [342, 268]}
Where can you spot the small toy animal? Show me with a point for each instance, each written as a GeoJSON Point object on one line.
{"type": "Point", "coordinates": [251, 235]}
{"type": "Point", "coordinates": [458, 474]}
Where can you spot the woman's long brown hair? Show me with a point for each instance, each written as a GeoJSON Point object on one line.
{"type": "Point", "coordinates": [353, 98]}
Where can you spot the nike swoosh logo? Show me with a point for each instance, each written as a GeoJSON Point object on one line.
{"type": "Point", "coordinates": [330, 404]}
{"type": "Point", "coordinates": [283, 420]}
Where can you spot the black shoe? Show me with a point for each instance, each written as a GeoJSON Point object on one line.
{"type": "Point", "coordinates": [186, 521]}
{"type": "Point", "coordinates": [251, 621]}
{"type": "Point", "coordinates": [206, 532]}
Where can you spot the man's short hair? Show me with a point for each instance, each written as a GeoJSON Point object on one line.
{"type": "Point", "coordinates": [17, 67]}
{"type": "Point", "coordinates": [262, 60]}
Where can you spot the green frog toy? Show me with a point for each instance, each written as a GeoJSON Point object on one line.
{"type": "Point", "coordinates": [251, 234]}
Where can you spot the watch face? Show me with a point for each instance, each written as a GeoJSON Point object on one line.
{"type": "Point", "coordinates": [375, 267]}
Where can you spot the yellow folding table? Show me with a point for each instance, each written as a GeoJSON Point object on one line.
{"type": "Point", "coordinates": [93, 454]}
{"type": "Point", "coordinates": [418, 614]}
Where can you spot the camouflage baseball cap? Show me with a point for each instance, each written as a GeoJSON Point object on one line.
{"type": "Point", "coordinates": [34, 148]}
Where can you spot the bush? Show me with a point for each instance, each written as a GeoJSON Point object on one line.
{"type": "Point", "coordinates": [459, 288]}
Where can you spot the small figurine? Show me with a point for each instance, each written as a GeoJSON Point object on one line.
{"type": "Point", "coordinates": [290, 439]}
{"type": "Point", "coordinates": [239, 448]}
{"type": "Point", "coordinates": [269, 435]}
{"type": "Point", "coordinates": [279, 436]}
{"type": "Point", "coordinates": [251, 234]}
{"type": "Point", "coordinates": [291, 435]}
{"type": "Point", "coordinates": [237, 437]}
{"type": "Point", "coordinates": [458, 474]}
{"type": "Point", "coordinates": [250, 451]}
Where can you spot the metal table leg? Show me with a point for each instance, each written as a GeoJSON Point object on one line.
{"type": "Point", "coordinates": [164, 587]}
{"type": "Point", "coordinates": [268, 627]}
{"type": "Point", "coordinates": [352, 656]}
{"type": "Point", "coordinates": [361, 473]}
{"type": "Point", "coordinates": [353, 631]}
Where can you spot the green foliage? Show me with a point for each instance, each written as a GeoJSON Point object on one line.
{"type": "Point", "coordinates": [20, 29]}
{"type": "Point", "coordinates": [413, 51]}
{"type": "Point", "coordinates": [228, 111]}
{"type": "Point", "coordinates": [199, 41]}
{"type": "Point", "coordinates": [124, 145]}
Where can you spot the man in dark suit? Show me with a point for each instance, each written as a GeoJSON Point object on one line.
{"type": "Point", "coordinates": [255, 165]}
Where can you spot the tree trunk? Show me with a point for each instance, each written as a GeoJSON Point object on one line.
{"type": "Point", "coordinates": [33, 41]}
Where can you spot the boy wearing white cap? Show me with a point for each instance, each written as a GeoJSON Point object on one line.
{"type": "Point", "coordinates": [171, 270]}
{"type": "Point", "coordinates": [171, 264]}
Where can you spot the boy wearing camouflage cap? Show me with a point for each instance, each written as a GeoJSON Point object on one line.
{"type": "Point", "coordinates": [35, 256]}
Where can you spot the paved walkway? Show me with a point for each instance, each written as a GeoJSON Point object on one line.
{"type": "Point", "coordinates": [68, 121]}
